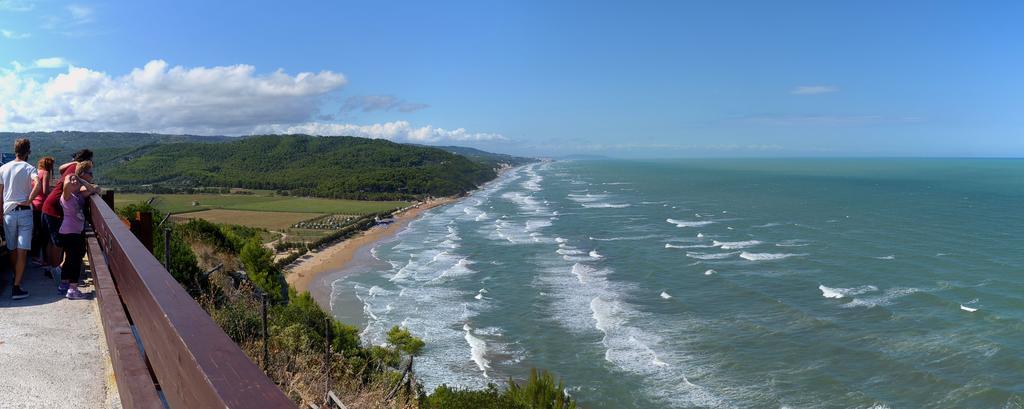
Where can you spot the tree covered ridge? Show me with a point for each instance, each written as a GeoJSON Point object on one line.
{"type": "Point", "coordinates": [334, 166]}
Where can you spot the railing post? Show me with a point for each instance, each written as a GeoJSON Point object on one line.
{"type": "Point", "coordinates": [266, 347]}
{"type": "Point", "coordinates": [327, 355]}
{"type": "Point", "coordinates": [108, 197]}
{"type": "Point", "coordinates": [142, 228]}
{"type": "Point", "coordinates": [167, 248]}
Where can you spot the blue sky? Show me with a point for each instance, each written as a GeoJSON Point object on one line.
{"type": "Point", "coordinates": [628, 79]}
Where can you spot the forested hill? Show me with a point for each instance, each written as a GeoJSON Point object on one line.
{"type": "Point", "coordinates": [487, 157]}
{"type": "Point", "coordinates": [336, 166]}
{"type": "Point", "coordinates": [61, 144]}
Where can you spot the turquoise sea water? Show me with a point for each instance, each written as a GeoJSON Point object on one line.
{"type": "Point", "coordinates": [719, 283]}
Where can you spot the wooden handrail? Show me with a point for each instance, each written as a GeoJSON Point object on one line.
{"type": "Point", "coordinates": [195, 363]}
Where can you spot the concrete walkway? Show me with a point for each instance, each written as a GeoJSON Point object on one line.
{"type": "Point", "coordinates": [52, 350]}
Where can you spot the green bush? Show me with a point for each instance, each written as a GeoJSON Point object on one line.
{"type": "Point", "coordinates": [240, 319]}
{"type": "Point", "coordinates": [302, 309]}
{"type": "Point", "coordinates": [404, 341]}
{"type": "Point", "coordinates": [540, 392]}
{"type": "Point", "coordinates": [446, 397]}
{"type": "Point", "coordinates": [259, 265]}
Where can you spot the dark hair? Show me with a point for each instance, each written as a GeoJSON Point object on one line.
{"type": "Point", "coordinates": [22, 147]}
{"type": "Point", "coordinates": [46, 163]}
{"type": "Point", "coordinates": [82, 155]}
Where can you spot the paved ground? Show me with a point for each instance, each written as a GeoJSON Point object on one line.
{"type": "Point", "coordinates": [52, 350]}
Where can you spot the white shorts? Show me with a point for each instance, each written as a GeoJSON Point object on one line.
{"type": "Point", "coordinates": [18, 229]}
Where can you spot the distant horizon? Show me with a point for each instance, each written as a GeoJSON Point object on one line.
{"type": "Point", "coordinates": [609, 156]}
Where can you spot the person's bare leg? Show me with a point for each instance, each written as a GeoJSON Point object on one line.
{"type": "Point", "coordinates": [19, 257]}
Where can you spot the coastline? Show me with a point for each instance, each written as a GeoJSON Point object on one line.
{"type": "Point", "coordinates": [306, 274]}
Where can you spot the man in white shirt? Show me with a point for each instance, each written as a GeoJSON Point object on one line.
{"type": "Point", "coordinates": [17, 190]}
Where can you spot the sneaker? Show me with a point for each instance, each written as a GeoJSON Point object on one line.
{"type": "Point", "coordinates": [63, 288]}
{"type": "Point", "coordinates": [74, 294]}
{"type": "Point", "coordinates": [17, 293]}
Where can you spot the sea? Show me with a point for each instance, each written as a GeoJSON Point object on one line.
{"type": "Point", "coordinates": [717, 283]}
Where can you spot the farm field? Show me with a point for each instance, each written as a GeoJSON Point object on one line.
{"type": "Point", "coordinates": [268, 220]}
{"type": "Point", "coordinates": [259, 202]}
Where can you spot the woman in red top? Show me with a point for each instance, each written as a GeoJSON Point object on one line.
{"type": "Point", "coordinates": [53, 213]}
{"type": "Point", "coordinates": [45, 166]}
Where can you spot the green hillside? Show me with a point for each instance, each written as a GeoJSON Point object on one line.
{"type": "Point", "coordinates": [494, 159]}
{"type": "Point", "coordinates": [107, 145]}
{"type": "Point", "coordinates": [337, 167]}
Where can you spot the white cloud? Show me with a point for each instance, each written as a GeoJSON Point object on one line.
{"type": "Point", "coordinates": [16, 5]}
{"type": "Point", "coordinates": [400, 131]}
{"type": "Point", "coordinates": [79, 13]}
{"type": "Point", "coordinates": [160, 98]}
{"type": "Point", "coordinates": [814, 89]}
{"type": "Point", "coordinates": [12, 35]}
{"type": "Point", "coordinates": [224, 100]}
{"type": "Point", "coordinates": [52, 62]}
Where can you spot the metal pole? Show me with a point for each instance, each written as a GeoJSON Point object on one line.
{"type": "Point", "coordinates": [327, 355]}
{"type": "Point", "coordinates": [167, 248]}
{"type": "Point", "coordinates": [266, 348]}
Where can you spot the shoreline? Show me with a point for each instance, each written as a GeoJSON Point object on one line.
{"type": "Point", "coordinates": [306, 274]}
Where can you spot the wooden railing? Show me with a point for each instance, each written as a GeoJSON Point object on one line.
{"type": "Point", "coordinates": [176, 356]}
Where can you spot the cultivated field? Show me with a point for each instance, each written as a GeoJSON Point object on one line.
{"type": "Point", "coordinates": [260, 202]}
{"type": "Point", "coordinates": [268, 220]}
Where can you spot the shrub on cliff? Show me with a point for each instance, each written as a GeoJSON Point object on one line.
{"type": "Point", "coordinates": [404, 341]}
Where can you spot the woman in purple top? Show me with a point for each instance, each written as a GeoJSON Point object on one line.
{"type": "Point", "coordinates": [72, 228]}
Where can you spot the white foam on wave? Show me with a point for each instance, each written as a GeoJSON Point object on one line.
{"type": "Point", "coordinates": [588, 300]}
{"type": "Point", "coordinates": [889, 257]}
{"type": "Point", "coordinates": [477, 350]}
{"type": "Point", "coordinates": [582, 272]}
{"type": "Point", "coordinates": [649, 236]}
{"type": "Point", "coordinates": [767, 256]}
{"type": "Point", "coordinates": [829, 292]}
{"type": "Point", "coordinates": [687, 223]}
{"type": "Point", "coordinates": [533, 183]}
{"type": "Point", "coordinates": [448, 243]}
{"type": "Point", "coordinates": [690, 246]}
{"type": "Point", "coordinates": [885, 298]}
{"type": "Point", "coordinates": [709, 272]}
{"type": "Point", "coordinates": [665, 296]}
{"type": "Point", "coordinates": [709, 256]}
{"type": "Point", "coordinates": [791, 243]}
{"type": "Point", "coordinates": [603, 205]}
{"type": "Point", "coordinates": [587, 198]}
{"type": "Point", "coordinates": [459, 269]}
{"type": "Point", "coordinates": [595, 255]}
{"type": "Point", "coordinates": [968, 309]}
{"type": "Point", "coordinates": [766, 225]}
{"type": "Point", "coordinates": [735, 245]}
{"type": "Point", "coordinates": [526, 203]}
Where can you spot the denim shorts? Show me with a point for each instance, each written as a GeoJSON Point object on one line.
{"type": "Point", "coordinates": [18, 229]}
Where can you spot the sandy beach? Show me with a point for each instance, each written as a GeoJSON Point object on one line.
{"type": "Point", "coordinates": [305, 273]}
